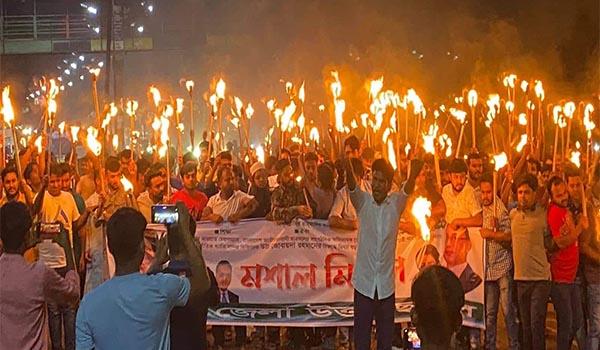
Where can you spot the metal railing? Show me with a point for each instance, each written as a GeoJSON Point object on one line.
{"type": "Point", "coordinates": [45, 27]}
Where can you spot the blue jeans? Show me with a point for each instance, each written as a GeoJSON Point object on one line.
{"type": "Point", "coordinates": [593, 302]}
{"type": "Point", "coordinates": [367, 309]}
{"type": "Point", "coordinates": [499, 293]}
{"type": "Point", "coordinates": [60, 316]}
{"type": "Point", "coordinates": [533, 306]}
{"type": "Point", "coordinates": [566, 298]}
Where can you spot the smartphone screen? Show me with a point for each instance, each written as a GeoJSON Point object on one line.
{"type": "Point", "coordinates": [164, 214]}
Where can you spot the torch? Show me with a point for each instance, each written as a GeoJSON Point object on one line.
{"type": "Point", "coordinates": [220, 92]}
{"type": "Point", "coordinates": [429, 146]}
{"type": "Point", "coordinates": [460, 116]}
{"type": "Point", "coordinates": [74, 139]}
{"type": "Point", "coordinates": [9, 119]}
{"type": "Point", "coordinates": [94, 73]}
{"type": "Point", "coordinates": [131, 108]}
{"type": "Point", "coordinates": [421, 210]}
{"type": "Point", "coordinates": [558, 122]}
{"type": "Point", "coordinates": [189, 86]}
{"type": "Point", "coordinates": [61, 130]}
{"type": "Point", "coordinates": [500, 161]}
{"type": "Point", "coordinates": [472, 100]}
{"type": "Point", "coordinates": [568, 111]}
{"type": "Point", "coordinates": [539, 92]}
{"type": "Point", "coordinates": [165, 141]}
{"type": "Point", "coordinates": [96, 148]}
{"type": "Point", "coordinates": [493, 104]}
{"type": "Point", "coordinates": [128, 188]}
{"type": "Point", "coordinates": [589, 127]}
{"type": "Point", "coordinates": [179, 126]}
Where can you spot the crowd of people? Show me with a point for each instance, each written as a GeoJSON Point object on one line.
{"type": "Point", "coordinates": [71, 231]}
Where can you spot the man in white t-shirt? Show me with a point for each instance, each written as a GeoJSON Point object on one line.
{"type": "Point", "coordinates": [59, 206]}
{"type": "Point", "coordinates": [229, 204]}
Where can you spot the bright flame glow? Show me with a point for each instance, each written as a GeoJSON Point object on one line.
{"type": "Point", "coordinates": [575, 158]}
{"type": "Point", "coordinates": [220, 89]}
{"type": "Point", "coordinates": [569, 109]}
{"type": "Point", "coordinates": [421, 210]}
{"type": "Point", "coordinates": [7, 109]}
{"type": "Point", "coordinates": [522, 143]}
{"type": "Point", "coordinates": [260, 154]}
{"type": "Point", "coordinates": [500, 161]}
{"type": "Point", "coordinates": [179, 104]}
{"type": "Point", "coordinates": [539, 90]}
{"type": "Point", "coordinates": [523, 119]}
{"type": "Point", "coordinates": [61, 127]}
{"type": "Point", "coordinates": [189, 86]}
{"type": "Point", "coordinates": [314, 134]}
{"type": "Point", "coordinates": [127, 186]}
{"type": "Point", "coordinates": [155, 95]}
{"type": "Point", "coordinates": [376, 86]}
{"type": "Point", "coordinates": [472, 98]}
{"type": "Point", "coordinates": [392, 154]}
{"type": "Point", "coordinates": [131, 107]}
{"type": "Point", "coordinates": [115, 142]}
{"type": "Point", "coordinates": [38, 144]}
{"type": "Point", "coordinates": [74, 133]}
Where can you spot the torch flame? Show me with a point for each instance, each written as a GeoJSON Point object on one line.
{"type": "Point", "coordinates": [260, 154]}
{"type": "Point", "coordinates": [587, 121]}
{"type": "Point", "coordinates": [179, 104]}
{"type": "Point", "coordinates": [446, 143]}
{"type": "Point", "coordinates": [458, 114]}
{"type": "Point", "coordinates": [523, 119]}
{"type": "Point", "coordinates": [115, 142]}
{"type": "Point", "coordinates": [376, 86]}
{"type": "Point", "coordinates": [421, 210]}
{"type": "Point", "coordinates": [301, 121]}
{"type": "Point", "coordinates": [286, 117]}
{"type": "Point", "coordinates": [522, 143]}
{"type": "Point", "coordinates": [249, 111]}
{"type": "Point", "coordinates": [569, 109]}
{"type": "Point", "coordinates": [575, 158]}
{"type": "Point", "coordinates": [539, 90]}
{"type": "Point", "coordinates": [52, 107]}
{"type": "Point", "coordinates": [472, 98]}
{"type": "Point", "coordinates": [429, 139]}
{"type": "Point", "coordinates": [321, 108]}
{"type": "Point", "coordinates": [392, 154]}
{"type": "Point", "coordinates": [363, 118]}
{"type": "Point", "coordinates": [131, 107]}
{"type": "Point", "coordinates": [220, 89]}
{"type": "Point", "coordinates": [524, 85]}
{"type": "Point", "coordinates": [61, 127]}
{"type": "Point", "coordinates": [38, 144]}
{"type": "Point", "coordinates": [7, 109]}
{"type": "Point", "coordinates": [271, 105]}
{"type": "Point", "coordinates": [510, 106]}
{"type": "Point", "coordinates": [95, 72]}
{"type": "Point", "coordinates": [189, 85]}
{"type": "Point", "coordinates": [155, 95]}
{"type": "Point", "coordinates": [93, 144]}
{"type": "Point", "coordinates": [74, 132]}
{"type": "Point", "coordinates": [301, 93]}
{"type": "Point", "coordinates": [127, 186]}
{"type": "Point", "coordinates": [156, 124]}
{"type": "Point", "coordinates": [500, 161]}
{"type": "Point", "coordinates": [314, 134]}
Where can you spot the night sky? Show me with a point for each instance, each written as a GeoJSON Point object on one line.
{"type": "Point", "coordinates": [437, 47]}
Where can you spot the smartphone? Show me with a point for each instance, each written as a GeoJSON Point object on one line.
{"type": "Point", "coordinates": [47, 230]}
{"type": "Point", "coordinates": [411, 338]}
{"type": "Point", "coordinates": [164, 214]}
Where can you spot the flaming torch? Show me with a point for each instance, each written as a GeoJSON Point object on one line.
{"type": "Point", "coordinates": [9, 119]}
{"type": "Point", "coordinates": [96, 148]}
{"type": "Point", "coordinates": [589, 127]}
{"type": "Point", "coordinates": [189, 86]}
{"type": "Point", "coordinates": [429, 146]}
{"type": "Point", "coordinates": [94, 73]}
{"type": "Point", "coordinates": [128, 188]}
{"type": "Point", "coordinates": [421, 211]}
{"type": "Point", "coordinates": [460, 116]}
{"type": "Point", "coordinates": [472, 99]}
{"type": "Point", "coordinates": [500, 161]}
{"type": "Point", "coordinates": [74, 140]}
{"type": "Point", "coordinates": [559, 123]}
{"type": "Point", "coordinates": [179, 126]}
{"type": "Point", "coordinates": [220, 92]}
{"type": "Point", "coordinates": [568, 111]}
{"type": "Point", "coordinates": [131, 108]}
{"type": "Point", "coordinates": [539, 92]}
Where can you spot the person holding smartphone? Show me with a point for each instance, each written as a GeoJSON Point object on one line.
{"type": "Point", "coordinates": [131, 310]}
{"type": "Point", "coordinates": [25, 288]}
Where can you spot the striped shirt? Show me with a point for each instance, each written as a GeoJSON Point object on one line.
{"type": "Point", "coordinates": [499, 261]}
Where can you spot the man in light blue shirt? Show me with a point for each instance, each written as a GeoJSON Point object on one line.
{"type": "Point", "coordinates": [131, 310]}
{"type": "Point", "coordinates": [373, 276]}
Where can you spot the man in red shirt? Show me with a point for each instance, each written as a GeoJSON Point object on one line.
{"type": "Point", "coordinates": [193, 199]}
{"type": "Point", "coordinates": [563, 264]}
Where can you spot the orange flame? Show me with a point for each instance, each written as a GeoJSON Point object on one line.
{"type": "Point", "coordinates": [155, 95]}
{"type": "Point", "coordinates": [472, 98]}
{"type": "Point", "coordinates": [74, 133]}
{"type": "Point", "coordinates": [131, 107]}
{"type": "Point", "coordinates": [421, 210]}
{"type": "Point", "coordinates": [7, 109]}
{"type": "Point", "coordinates": [127, 186]}
{"type": "Point", "coordinates": [220, 89]}
{"type": "Point", "coordinates": [189, 86]}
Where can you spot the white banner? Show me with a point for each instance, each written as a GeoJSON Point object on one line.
{"type": "Point", "coordinates": [300, 274]}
